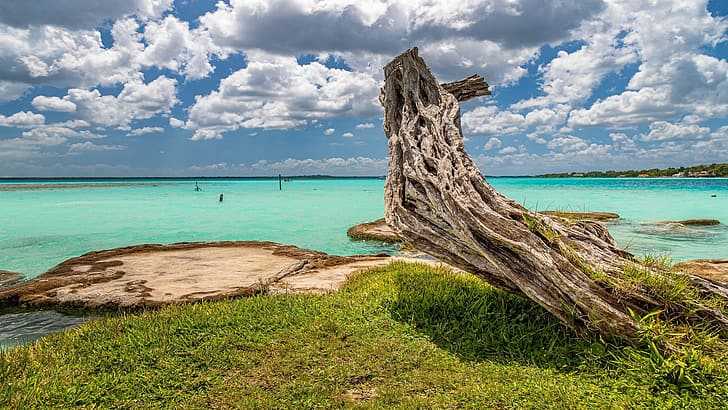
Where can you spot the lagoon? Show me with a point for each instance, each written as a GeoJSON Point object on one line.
{"type": "Point", "coordinates": [43, 222]}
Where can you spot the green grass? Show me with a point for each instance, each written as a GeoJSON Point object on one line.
{"type": "Point", "coordinates": [405, 336]}
{"type": "Point", "coordinates": [541, 229]}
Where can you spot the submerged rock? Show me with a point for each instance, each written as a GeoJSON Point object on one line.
{"type": "Point", "coordinates": [715, 269]}
{"type": "Point", "coordinates": [154, 275]}
{"type": "Point", "coordinates": [687, 229]}
{"type": "Point", "coordinates": [693, 222]}
{"type": "Point", "coordinates": [375, 231]}
{"type": "Point", "coordinates": [677, 231]}
{"type": "Point", "coordinates": [579, 216]}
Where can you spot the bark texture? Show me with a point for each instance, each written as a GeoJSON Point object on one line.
{"type": "Point", "coordinates": [438, 201]}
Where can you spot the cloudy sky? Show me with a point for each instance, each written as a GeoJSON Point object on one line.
{"type": "Point", "coordinates": [260, 87]}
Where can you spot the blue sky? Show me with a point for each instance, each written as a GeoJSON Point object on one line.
{"type": "Point", "coordinates": [260, 87]}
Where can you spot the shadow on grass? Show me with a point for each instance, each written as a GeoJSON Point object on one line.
{"type": "Point", "coordinates": [464, 315]}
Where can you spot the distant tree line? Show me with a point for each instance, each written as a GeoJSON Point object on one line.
{"type": "Point", "coordinates": [712, 170]}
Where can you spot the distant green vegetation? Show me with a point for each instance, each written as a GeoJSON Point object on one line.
{"type": "Point", "coordinates": [403, 336]}
{"type": "Point", "coordinates": [712, 170]}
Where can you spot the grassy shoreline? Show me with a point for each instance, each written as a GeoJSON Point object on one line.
{"type": "Point", "coordinates": [405, 335]}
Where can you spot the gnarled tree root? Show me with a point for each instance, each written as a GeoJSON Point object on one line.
{"type": "Point", "coordinates": [438, 201]}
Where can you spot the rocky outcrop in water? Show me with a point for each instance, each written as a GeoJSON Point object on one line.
{"type": "Point", "coordinates": [682, 230]}
{"type": "Point", "coordinates": [693, 222]}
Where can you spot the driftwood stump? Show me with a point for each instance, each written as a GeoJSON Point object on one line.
{"type": "Point", "coordinates": [439, 202]}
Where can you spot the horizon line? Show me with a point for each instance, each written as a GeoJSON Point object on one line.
{"type": "Point", "coordinates": [6, 178]}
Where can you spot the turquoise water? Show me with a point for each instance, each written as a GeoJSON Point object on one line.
{"type": "Point", "coordinates": [640, 203]}
{"type": "Point", "coordinates": [42, 227]}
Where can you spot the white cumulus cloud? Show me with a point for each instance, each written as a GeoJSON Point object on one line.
{"type": "Point", "coordinates": [277, 92]}
{"type": "Point", "coordinates": [145, 130]}
{"type": "Point", "coordinates": [665, 131]}
{"type": "Point", "coordinates": [44, 103]}
{"type": "Point", "coordinates": [136, 101]}
{"type": "Point", "coordinates": [22, 119]}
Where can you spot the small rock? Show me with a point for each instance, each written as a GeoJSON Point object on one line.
{"type": "Point", "coordinates": [374, 231]}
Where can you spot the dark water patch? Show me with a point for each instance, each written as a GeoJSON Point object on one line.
{"type": "Point", "coordinates": [24, 327]}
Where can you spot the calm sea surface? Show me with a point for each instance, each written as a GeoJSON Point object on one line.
{"type": "Point", "coordinates": [42, 227]}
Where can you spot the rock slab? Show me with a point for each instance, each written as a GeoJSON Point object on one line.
{"type": "Point", "coordinates": [155, 275]}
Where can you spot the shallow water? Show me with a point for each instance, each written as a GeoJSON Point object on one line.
{"type": "Point", "coordinates": [42, 227]}
{"type": "Point", "coordinates": [19, 328]}
{"type": "Point", "coordinates": [640, 203]}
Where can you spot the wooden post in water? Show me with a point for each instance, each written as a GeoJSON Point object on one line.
{"type": "Point", "coordinates": [280, 184]}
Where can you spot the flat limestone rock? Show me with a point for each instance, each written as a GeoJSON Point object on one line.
{"type": "Point", "coordinates": [581, 216]}
{"type": "Point", "coordinates": [323, 280]}
{"type": "Point", "coordinates": [332, 278]}
{"type": "Point", "coordinates": [374, 231]}
{"type": "Point", "coordinates": [715, 269]}
{"type": "Point", "coordinates": [155, 275]}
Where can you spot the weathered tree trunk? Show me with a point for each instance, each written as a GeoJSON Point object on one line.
{"type": "Point", "coordinates": [439, 202]}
